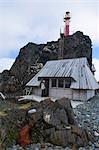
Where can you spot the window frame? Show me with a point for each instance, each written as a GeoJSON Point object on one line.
{"type": "Point", "coordinates": [68, 81]}
{"type": "Point", "coordinates": [59, 79]}
{"type": "Point", "coordinates": [52, 83]}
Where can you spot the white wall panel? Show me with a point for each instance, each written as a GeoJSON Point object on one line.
{"type": "Point", "coordinates": [60, 92]}
{"type": "Point", "coordinates": [90, 93]}
{"type": "Point", "coordinates": [37, 91]}
{"type": "Point", "coordinates": [80, 95]}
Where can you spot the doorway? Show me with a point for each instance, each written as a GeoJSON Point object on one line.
{"type": "Point", "coordinates": [45, 92]}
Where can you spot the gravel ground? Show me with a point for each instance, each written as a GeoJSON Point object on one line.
{"type": "Point", "coordinates": [87, 115]}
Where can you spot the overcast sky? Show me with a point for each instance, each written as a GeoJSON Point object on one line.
{"type": "Point", "coordinates": [39, 21]}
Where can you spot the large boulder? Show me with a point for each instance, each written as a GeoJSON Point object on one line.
{"type": "Point", "coordinates": [66, 104]}
{"type": "Point", "coordinates": [55, 123]}
{"type": "Point", "coordinates": [70, 135]}
{"type": "Point", "coordinates": [55, 114]}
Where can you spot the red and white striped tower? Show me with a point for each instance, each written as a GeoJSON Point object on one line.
{"type": "Point", "coordinates": [66, 20]}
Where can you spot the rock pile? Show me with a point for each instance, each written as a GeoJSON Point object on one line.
{"type": "Point", "coordinates": [54, 122]}
{"type": "Point", "coordinates": [87, 115]}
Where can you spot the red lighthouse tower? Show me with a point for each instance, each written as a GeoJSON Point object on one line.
{"type": "Point", "coordinates": [66, 20]}
{"type": "Point", "coordinates": [63, 35]}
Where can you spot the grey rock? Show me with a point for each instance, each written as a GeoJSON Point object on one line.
{"type": "Point", "coordinates": [59, 138]}
{"type": "Point", "coordinates": [82, 148]}
{"type": "Point", "coordinates": [96, 145]}
{"type": "Point", "coordinates": [49, 148]}
{"type": "Point", "coordinates": [36, 147]}
{"type": "Point", "coordinates": [50, 131]}
{"type": "Point", "coordinates": [66, 104]}
{"type": "Point", "coordinates": [67, 148]}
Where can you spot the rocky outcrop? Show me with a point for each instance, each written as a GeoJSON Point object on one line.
{"type": "Point", "coordinates": [54, 122]}
{"type": "Point", "coordinates": [32, 56]}
{"type": "Point", "coordinates": [27, 62]}
{"type": "Point", "coordinates": [87, 123]}
{"type": "Point", "coordinates": [77, 45]}
{"type": "Point", "coordinates": [9, 83]}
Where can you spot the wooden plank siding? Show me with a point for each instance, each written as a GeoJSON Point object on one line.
{"type": "Point", "coordinates": [80, 95]}
{"type": "Point", "coordinates": [60, 92]}
{"type": "Point", "coordinates": [57, 92]}
{"type": "Point", "coordinates": [37, 91]}
{"type": "Point", "coordinates": [90, 94]}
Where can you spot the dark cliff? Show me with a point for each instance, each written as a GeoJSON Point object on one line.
{"type": "Point", "coordinates": [32, 56]}
{"type": "Point", "coordinates": [78, 45]}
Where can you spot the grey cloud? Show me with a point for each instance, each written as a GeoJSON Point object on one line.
{"type": "Point", "coordinates": [40, 20]}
